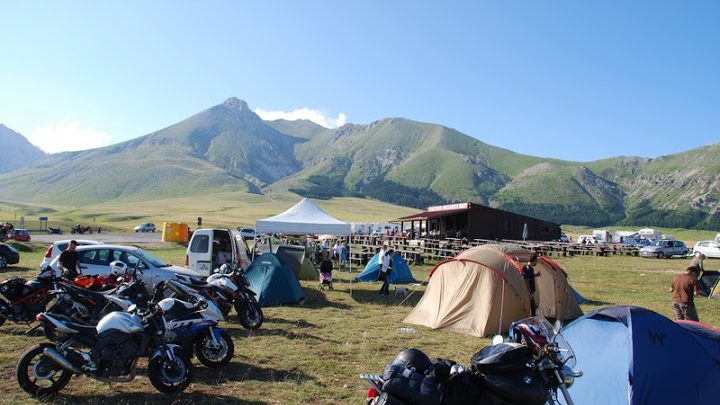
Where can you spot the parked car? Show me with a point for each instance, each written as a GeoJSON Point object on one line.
{"type": "Point", "coordinates": [247, 233]}
{"type": "Point", "coordinates": [664, 248]}
{"type": "Point", "coordinates": [20, 235]}
{"type": "Point", "coordinates": [96, 259]}
{"type": "Point", "coordinates": [635, 242]}
{"type": "Point", "coordinates": [709, 248]}
{"type": "Point", "coordinates": [8, 255]}
{"type": "Point", "coordinates": [717, 237]}
{"type": "Point", "coordinates": [54, 249]}
{"type": "Point", "coordinates": [147, 227]}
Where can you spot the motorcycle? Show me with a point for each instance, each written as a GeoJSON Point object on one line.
{"type": "Point", "coordinates": [107, 352]}
{"type": "Point", "coordinates": [235, 288]}
{"type": "Point", "coordinates": [79, 229]}
{"type": "Point", "coordinates": [21, 300]}
{"type": "Point", "coordinates": [55, 231]}
{"type": "Point", "coordinates": [529, 369]}
{"type": "Point", "coordinates": [196, 330]}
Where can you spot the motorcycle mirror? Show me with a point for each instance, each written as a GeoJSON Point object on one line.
{"type": "Point", "coordinates": [497, 339]}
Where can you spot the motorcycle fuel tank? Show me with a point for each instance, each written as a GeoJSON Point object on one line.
{"type": "Point", "coordinates": [120, 321]}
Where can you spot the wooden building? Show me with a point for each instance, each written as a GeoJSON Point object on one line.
{"type": "Point", "coordinates": [475, 221]}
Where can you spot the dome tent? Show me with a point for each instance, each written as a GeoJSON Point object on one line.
{"type": "Point", "coordinates": [273, 282]}
{"type": "Point", "coordinates": [631, 355]}
{"type": "Point", "coordinates": [400, 275]}
{"type": "Point", "coordinates": [481, 291]}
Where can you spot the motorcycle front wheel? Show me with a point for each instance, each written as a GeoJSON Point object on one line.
{"type": "Point", "coordinates": [214, 355]}
{"type": "Point", "coordinates": [168, 376]}
{"type": "Point", "coordinates": [38, 375]}
{"type": "Point", "coordinates": [250, 314]}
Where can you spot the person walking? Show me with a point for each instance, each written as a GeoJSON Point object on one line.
{"type": "Point", "coordinates": [528, 273]}
{"type": "Point", "coordinates": [386, 269]}
{"type": "Point", "coordinates": [684, 287]}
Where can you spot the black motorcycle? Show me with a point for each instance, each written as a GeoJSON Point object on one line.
{"type": "Point", "coordinates": [54, 231]}
{"type": "Point", "coordinates": [21, 300]}
{"type": "Point", "coordinates": [530, 369]}
{"type": "Point", "coordinates": [107, 352]}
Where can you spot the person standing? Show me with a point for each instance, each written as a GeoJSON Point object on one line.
{"type": "Point", "coordinates": [344, 254]}
{"type": "Point", "coordinates": [381, 254]}
{"type": "Point", "coordinates": [684, 287]}
{"type": "Point", "coordinates": [528, 273]}
{"type": "Point", "coordinates": [69, 262]}
{"type": "Point", "coordinates": [386, 269]}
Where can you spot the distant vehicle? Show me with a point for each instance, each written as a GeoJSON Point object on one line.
{"type": "Point", "coordinates": [96, 259]}
{"type": "Point", "coordinates": [8, 255]}
{"type": "Point", "coordinates": [709, 248]}
{"type": "Point", "coordinates": [20, 235]}
{"type": "Point", "coordinates": [664, 248]}
{"type": "Point", "coordinates": [205, 245]}
{"type": "Point", "coordinates": [54, 249]}
{"type": "Point", "coordinates": [635, 242]}
{"type": "Point", "coordinates": [55, 231]}
{"type": "Point", "coordinates": [587, 240]}
{"type": "Point", "coordinates": [650, 234]}
{"type": "Point", "coordinates": [247, 233]}
{"type": "Point", "coordinates": [717, 237]}
{"type": "Point", "coordinates": [601, 235]}
{"type": "Point", "coordinates": [146, 227]}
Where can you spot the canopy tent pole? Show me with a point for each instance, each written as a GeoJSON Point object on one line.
{"type": "Point", "coordinates": [350, 260]}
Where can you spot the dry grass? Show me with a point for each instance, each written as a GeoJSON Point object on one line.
{"type": "Point", "coordinates": [313, 353]}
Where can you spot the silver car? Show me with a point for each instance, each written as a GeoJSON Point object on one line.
{"type": "Point", "coordinates": [664, 248]}
{"type": "Point", "coordinates": [96, 259]}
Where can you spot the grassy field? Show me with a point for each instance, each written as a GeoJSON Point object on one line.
{"type": "Point", "coordinates": [313, 353]}
{"type": "Point", "coordinates": [222, 209]}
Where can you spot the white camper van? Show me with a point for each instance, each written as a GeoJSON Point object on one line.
{"type": "Point", "coordinates": [209, 248]}
{"type": "Point", "coordinates": [650, 234]}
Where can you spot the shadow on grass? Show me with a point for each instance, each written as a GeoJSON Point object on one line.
{"type": "Point", "coordinates": [155, 398]}
{"type": "Point", "coordinates": [372, 297]}
{"type": "Point", "coordinates": [300, 323]}
{"type": "Point", "coordinates": [239, 334]}
{"type": "Point", "coordinates": [315, 299]}
{"type": "Point", "coordinates": [239, 372]}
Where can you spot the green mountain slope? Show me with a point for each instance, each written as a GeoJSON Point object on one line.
{"type": "Point", "coordinates": [415, 164]}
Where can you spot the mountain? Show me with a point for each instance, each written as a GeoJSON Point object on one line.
{"type": "Point", "coordinates": [23, 152]}
{"type": "Point", "coordinates": [416, 164]}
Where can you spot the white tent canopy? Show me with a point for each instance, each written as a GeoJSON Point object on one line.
{"type": "Point", "coordinates": [303, 218]}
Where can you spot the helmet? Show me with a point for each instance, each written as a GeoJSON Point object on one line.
{"type": "Point", "coordinates": [118, 268]}
{"type": "Point", "coordinates": [413, 359]}
{"type": "Point", "coordinates": [225, 269]}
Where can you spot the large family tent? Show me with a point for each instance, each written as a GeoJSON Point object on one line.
{"type": "Point", "coordinates": [273, 282]}
{"type": "Point", "coordinates": [400, 274]}
{"type": "Point", "coordinates": [481, 291]}
{"type": "Point", "coordinates": [631, 355]}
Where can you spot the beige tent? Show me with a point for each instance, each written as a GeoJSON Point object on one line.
{"type": "Point", "coordinates": [480, 292]}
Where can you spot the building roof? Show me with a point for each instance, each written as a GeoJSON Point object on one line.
{"type": "Point", "coordinates": [430, 215]}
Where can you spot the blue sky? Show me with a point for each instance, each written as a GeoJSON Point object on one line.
{"type": "Point", "coordinates": [576, 80]}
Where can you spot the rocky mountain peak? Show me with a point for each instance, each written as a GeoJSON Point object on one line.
{"type": "Point", "coordinates": [236, 104]}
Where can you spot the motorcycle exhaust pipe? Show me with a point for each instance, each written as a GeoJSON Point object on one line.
{"type": "Point", "coordinates": [58, 358]}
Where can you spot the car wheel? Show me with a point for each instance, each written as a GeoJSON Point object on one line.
{"type": "Point", "coordinates": [660, 255]}
{"type": "Point", "coordinates": [3, 262]}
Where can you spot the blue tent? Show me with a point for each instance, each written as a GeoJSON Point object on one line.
{"type": "Point", "coordinates": [632, 355]}
{"type": "Point", "coordinates": [400, 275]}
{"type": "Point", "coordinates": [273, 282]}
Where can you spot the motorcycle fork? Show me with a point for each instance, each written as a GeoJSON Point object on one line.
{"type": "Point", "coordinates": [563, 388]}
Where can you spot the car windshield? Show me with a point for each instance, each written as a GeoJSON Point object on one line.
{"type": "Point", "coordinates": [156, 262]}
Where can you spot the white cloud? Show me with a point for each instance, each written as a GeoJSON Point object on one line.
{"type": "Point", "coordinates": [66, 135]}
{"type": "Point", "coordinates": [316, 116]}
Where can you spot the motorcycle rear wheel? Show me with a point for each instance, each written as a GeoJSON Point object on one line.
{"type": "Point", "coordinates": [249, 313]}
{"type": "Point", "coordinates": [39, 376]}
{"type": "Point", "coordinates": [170, 377]}
{"type": "Point", "coordinates": [214, 357]}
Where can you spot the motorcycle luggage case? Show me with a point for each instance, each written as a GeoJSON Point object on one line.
{"type": "Point", "coordinates": [13, 289]}
{"type": "Point", "coordinates": [500, 358]}
{"type": "Point", "coordinates": [410, 386]}
{"type": "Point", "coordinates": [517, 387]}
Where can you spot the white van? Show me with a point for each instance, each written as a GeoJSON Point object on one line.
{"type": "Point", "coordinates": [209, 248]}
